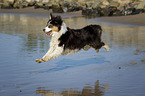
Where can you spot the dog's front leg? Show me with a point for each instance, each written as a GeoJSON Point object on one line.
{"type": "Point", "coordinates": [57, 52]}
{"type": "Point", "coordinates": [48, 56]}
{"type": "Point", "coordinates": [48, 52]}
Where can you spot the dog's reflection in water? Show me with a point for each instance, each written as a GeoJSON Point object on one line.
{"type": "Point", "coordinates": [97, 90]}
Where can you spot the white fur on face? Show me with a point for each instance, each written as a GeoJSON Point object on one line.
{"type": "Point", "coordinates": [47, 29]}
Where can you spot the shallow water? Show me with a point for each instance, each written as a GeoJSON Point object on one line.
{"type": "Point", "coordinates": [119, 72]}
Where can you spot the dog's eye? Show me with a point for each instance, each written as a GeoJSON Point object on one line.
{"type": "Point", "coordinates": [50, 26]}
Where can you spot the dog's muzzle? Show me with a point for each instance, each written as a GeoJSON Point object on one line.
{"type": "Point", "coordinates": [47, 30]}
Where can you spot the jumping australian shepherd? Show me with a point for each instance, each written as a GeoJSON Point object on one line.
{"type": "Point", "coordinates": [65, 40]}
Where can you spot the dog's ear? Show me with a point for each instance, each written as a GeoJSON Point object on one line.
{"type": "Point", "coordinates": [58, 17]}
{"type": "Point", "coordinates": [51, 16]}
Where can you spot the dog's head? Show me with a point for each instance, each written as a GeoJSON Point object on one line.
{"type": "Point", "coordinates": [53, 25]}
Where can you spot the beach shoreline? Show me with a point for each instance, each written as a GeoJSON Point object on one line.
{"type": "Point", "coordinates": [130, 19]}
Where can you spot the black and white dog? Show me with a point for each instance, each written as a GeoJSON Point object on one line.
{"type": "Point", "coordinates": [67, 41]}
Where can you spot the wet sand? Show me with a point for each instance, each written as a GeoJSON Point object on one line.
{"type": "Point", "coordinates": [138, 19]}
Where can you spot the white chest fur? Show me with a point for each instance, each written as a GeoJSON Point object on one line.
{"type": "Point", "coordinates": [54, 40]}
{"type": "Point", "coordinates": [54, 49]}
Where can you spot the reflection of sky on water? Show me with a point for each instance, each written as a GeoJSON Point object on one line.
{"type": "Point", "coordinates": [69, 63]}
{"type": "Point", "coordinates": [22, 41]}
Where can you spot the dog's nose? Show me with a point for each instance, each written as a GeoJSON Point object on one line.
{"type": "Point", "coordinates": [43, 30]}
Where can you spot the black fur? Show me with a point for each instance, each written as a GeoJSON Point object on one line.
{"type": "Point", "coordinates": [55, 21]}
{"type": "Point", "coordinates": [78, 38]}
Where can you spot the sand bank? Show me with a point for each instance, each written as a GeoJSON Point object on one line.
{"type": "Point", "coordinates": [138, 19]}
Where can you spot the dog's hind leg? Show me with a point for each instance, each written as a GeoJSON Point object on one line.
{"type": "Point", "coordinates": [106, 47]}
{"type": "Point", "coordinates": [87, 47]}
{"type": "Point", "coordinates": [100, 45]}
{"type": "Point", "coordinates": [95, 47]}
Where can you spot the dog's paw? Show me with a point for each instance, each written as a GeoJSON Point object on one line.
{"type": "Point", "coordinates": [38, 60]}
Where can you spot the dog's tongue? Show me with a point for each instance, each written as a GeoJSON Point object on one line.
{"type": "Point", "coordinates": [48, 33]}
